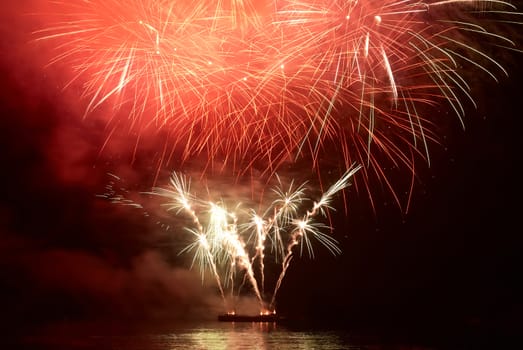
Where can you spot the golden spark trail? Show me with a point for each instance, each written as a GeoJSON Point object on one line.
{"type": "Point", "coordinates": [303, 228]}
{"type": "Point", "coordinates": [228, 248]}
{"type": "Point", "coordinates": [182, 198]}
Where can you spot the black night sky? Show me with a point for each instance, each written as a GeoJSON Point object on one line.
{"type": "Point", "coordinates": [454, 260]}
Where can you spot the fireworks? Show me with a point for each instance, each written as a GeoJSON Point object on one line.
{"type": "Point", "coordinates": [244, 81]}
{"type": "Point", "coordinates": [234, 245]}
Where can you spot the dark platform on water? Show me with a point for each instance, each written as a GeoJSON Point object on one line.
{"type": "Point", "coordinates": [248, 318]}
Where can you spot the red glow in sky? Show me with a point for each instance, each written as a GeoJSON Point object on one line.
{"type": "Point", "coordinates": [246, 82]}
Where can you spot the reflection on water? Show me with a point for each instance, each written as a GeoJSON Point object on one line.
{"type": "Point", "coordinates": [212, 336]}
{"type": "Point", "coordinates": [250, 336]}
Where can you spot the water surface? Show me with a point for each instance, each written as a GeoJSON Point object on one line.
{"type": "Point", "coordinates": [201, 336]}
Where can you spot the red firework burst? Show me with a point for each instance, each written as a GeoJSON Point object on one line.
{"type": "Point", "coordinates": [270, 81]}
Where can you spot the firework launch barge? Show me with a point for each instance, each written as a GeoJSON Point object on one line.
{"type": "Point", "coordinates": [271, 317]}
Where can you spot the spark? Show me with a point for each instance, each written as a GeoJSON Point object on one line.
{"type": "Point", "coordinates": [229, 249]}
{"type": "Point", "coordinates": [245, 81]}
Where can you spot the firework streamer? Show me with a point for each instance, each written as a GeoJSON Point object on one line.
{"type": "Point", "coordinates": [283, 209]}
{"type": "Point", "coordinates": [181, 201]}
{"type": "Point", "coordinates": [229, 243]}
{"type": "Point", "coordinates": [304, 229]}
